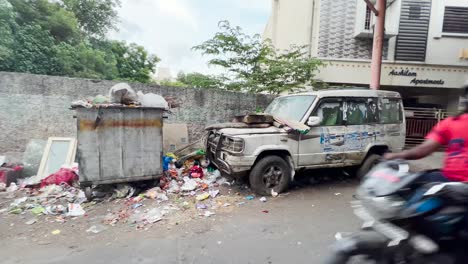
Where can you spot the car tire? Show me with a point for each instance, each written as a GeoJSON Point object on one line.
{"type": "Point", "coordinates": [271, 172]}
{"type": "Point", "coordinates": [367, 165]}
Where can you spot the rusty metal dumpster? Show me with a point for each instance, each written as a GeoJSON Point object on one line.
{"type": "Point", "coordinates": [118, 144]}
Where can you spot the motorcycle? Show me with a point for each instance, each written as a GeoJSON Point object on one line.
{"type": "Point", "coordinates": [405, 220]}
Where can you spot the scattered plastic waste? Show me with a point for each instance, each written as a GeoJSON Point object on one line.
{"type": "Point", "coordinates": [263, 199]}
{"type": "Point", "coordinates": [99, 99]}
{"type": "Point", "coordinates": [226, 204]}
{"type": "Point", "coordinates": [196, 172]}
{"type": "Point", "coordinates": [240, 203]}
{"type": "Point", "coordinates": [96, 229]}
{"type": "Point", "coordinates": [189, 184]}
{"type": "Point", "coordinates": [265, 211]}
{"type": "Point", "coordinates": [201, 206]}
{"type": "Point", "coordinates": [203, 196]}
{"type": "Point", "coordinates": [152, 100]}
{"type": "Point", "coordinates": [18, 202]}
{"type": "Point", "coordinates": [336, 194]}
{"type": "Point", "coordinates": [162, 197]}
{"type": "Point", "coordinates": [174, 187]}
{"type": "Point", "coordinates": [154, 215]}
{"type": "Point", "coordinates": [56, 232]}
{"type": "Point", "coordinates": [213, 193]}
{"type": "Point", "coordinates": [122, 93]}
{"type": "Point", "coordinates": [208, 213]}
{"type": "Point", "coordinates": [55, 209]}
{"type": "Point", "coordinates": [63, 175]}
{"type": "Point", "coordinates": [2, 187]}
{"type": "Point", "coordinates": [123, 191]}
{"type": "Point", "coordinates": [15, 210]}
{"type": "Point", "coordinates": [12, 188]}
{"type": "Point", "coordinates": [38, 210]}
{"type": "Point", "coordinates": [75, 210]}
{"type": "Point", "coordinates": [135, 206]}
{"type": "Point", "coordinates": [250, 197]}
{"type": "Point", "coordinates": [223, 181]}
{"type": "Point", "coordinates": [32, 221]}
{"type": "Point", "coordinates": [273, 193]}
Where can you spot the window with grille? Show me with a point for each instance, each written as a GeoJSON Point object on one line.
{"type": "Point", "coordinates": [367, 23]}
{"type": "Point", "coordinates": [455, 20]}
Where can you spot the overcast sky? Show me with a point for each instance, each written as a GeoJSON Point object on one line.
{"type": "Point", "coordinates": [169, 28]}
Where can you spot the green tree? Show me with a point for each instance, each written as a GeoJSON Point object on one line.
{"type": "Point", "coordinates": [34, 51]}
{"type": "Point", "coordinates": [7, 27]}
{"type": "Point", "coordinates": [96, 17]}
{"type": "Point", "coordinates": [61, 23]}
{"type": "Point", "coordinates": [198, 80]}
{"type": "Point", "coordinates": [84, 61]}
{"type": "Point", "coordinates": [134, 63]}
{"type": "Point", "coordinates": [67, 38]}
{"type": "Point", "coordinates": [254, 65]}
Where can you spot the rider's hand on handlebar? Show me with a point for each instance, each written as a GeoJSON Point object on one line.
{"type": "Point", "coordinates": [391, 156]}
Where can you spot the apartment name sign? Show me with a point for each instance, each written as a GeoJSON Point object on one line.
{"type": "Point", "coordinates": [415, 81]}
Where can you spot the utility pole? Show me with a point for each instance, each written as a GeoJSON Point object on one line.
{"type": "Point", "coordinates": [377, 48]}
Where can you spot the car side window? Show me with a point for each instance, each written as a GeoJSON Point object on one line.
{"type": "Point", "coordinates": [372, 114]}
{"type": "Point", "coordinates": [355, 112]}
{"type": "Point", "coordinates": [390, 111]}
{"type": "Point", "coordinates": [330, 111]}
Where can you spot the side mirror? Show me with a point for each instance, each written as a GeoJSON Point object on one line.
{"type": "Point", "coordinates": [314, 121]}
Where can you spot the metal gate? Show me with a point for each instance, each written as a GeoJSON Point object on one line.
{"type": "Point", "coordinates": [420, 121]}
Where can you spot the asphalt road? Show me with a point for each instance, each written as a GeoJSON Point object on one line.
{"type": "Point", "coordinates": [298, 228]}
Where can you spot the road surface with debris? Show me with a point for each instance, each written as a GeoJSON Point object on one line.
{"type": "Point", "coordinates": [295, 228]}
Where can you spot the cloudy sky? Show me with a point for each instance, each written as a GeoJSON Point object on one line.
{"type": "Point", "coordinates": [169, 28]}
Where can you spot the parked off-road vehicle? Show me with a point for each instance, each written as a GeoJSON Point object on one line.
{"type": "Point", "coordinates": [345, 128]}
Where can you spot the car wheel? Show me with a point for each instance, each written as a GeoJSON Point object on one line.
{"type": "Point", "coordinates": [367, 165]}
{"type": "Point", "coordinates": [271, 172]}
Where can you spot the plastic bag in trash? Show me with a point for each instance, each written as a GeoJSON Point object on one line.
{"type": "Point", "coordinates": [122, 93]}
{"type": "Point", "coordinates": [75, 210]}
{"type": "Point", "coordinates": [154, 215]}
{"type": "Point", "coordinates": [189, 184]}
{"type": "Point", "coordinates": [152, 100]}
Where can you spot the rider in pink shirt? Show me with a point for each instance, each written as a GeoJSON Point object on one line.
{"type": "Point", "coordinates": [451, 133]}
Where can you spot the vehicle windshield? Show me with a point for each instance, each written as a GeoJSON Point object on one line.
{"type": "Point", "coordinates": [290, 107]}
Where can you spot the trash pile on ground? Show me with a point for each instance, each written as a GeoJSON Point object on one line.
{"type": "Point", "coordinates": [187, 184]}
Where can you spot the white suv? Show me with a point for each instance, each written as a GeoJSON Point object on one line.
{"type": "Point", "coordinates": [351, 127]}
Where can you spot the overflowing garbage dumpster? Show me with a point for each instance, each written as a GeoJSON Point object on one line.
{"type": "Point", "coordinates": [118, 144]}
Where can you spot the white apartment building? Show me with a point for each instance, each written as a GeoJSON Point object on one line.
{"type": "Point", "coordinates": [425, 49]}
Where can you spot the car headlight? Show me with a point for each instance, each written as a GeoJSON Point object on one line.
{"type": "Point", "coordinates": [231, 144]}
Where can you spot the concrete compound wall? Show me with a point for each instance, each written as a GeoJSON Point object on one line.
{"type": "Point", "coordinates": [37, 106]}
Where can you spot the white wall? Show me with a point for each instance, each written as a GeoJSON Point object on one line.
{"type": "Point", "coordinates": [290, 23]}
{"type": "Point", "coordinates": [441, 47]}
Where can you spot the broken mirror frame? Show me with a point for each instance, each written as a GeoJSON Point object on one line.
{"type": "Point", "coordinates": [59, 151]}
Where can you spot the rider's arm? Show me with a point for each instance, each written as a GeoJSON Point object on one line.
{"type": "Point", "coordinates": [439, 136]}
{"type": "Point", "coordinates": [423, 150]}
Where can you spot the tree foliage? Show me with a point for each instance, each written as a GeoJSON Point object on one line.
{"type": "Point", "coordinates": [96, 17]}
{"type": "Point", "coordinates": [67, 38]}
{"type": "Point", "coordinates": [198, 80]}
{"type": "Point", "coordinates": [256, 66]}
